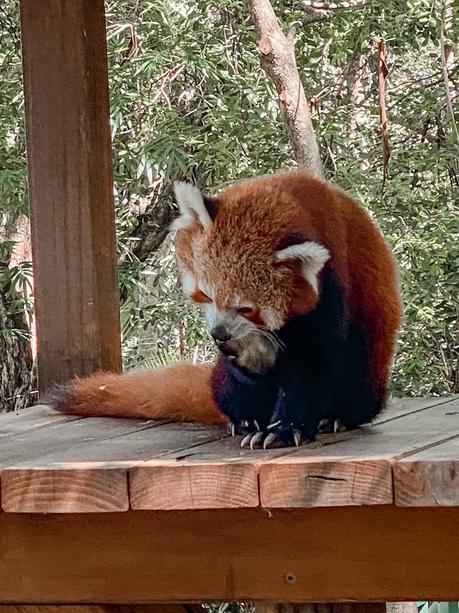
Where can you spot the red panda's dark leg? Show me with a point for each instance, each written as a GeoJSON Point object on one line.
{"type": "Point", "coordinates": [366, 375]}
{"type": "Point", "coordinates": [243, 397]}
{"type": "Point", "coordinates": [310, 370]}
{"type": "Point", "coordinates": [304, 399]}
{"type": "Point", "coordinates": [360, 400]}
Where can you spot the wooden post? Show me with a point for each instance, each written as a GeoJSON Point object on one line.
{"type": "Point", "coordinates": [70, 188]}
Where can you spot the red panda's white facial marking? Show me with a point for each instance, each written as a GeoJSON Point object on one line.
{"type": "Point", "coordinates": [312, 255]}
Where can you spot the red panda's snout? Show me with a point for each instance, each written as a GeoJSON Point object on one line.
{"type": "Point", "coordinates": [243, 338]}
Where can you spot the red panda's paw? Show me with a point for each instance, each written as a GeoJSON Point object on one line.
{"type": "Point", "coordinates": [246, 427]}
{"type": "Point", "coordinates": [328, 426]}
{"type": "Point", "coordinates": [278, 434]}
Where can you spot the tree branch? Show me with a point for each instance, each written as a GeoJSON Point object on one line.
{"type": "Point", "coordinates": [382, 76]}
{"type": "Point", "coordinates": [278, 60]}
{"type": "Point", "coordinates": [315, 11]}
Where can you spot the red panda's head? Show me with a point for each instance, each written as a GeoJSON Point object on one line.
{"type": "Point", "coordinates": [246, 259]}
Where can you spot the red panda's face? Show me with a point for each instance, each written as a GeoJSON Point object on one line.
{"type": "Point", "coordinates": [245, 266]}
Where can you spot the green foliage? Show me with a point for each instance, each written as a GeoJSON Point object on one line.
{"type": "Point", "coordinates": [192, 100]}
{"type": "Point", "coordinates": [13, 200]}
{"type": "Point", "coordinates": [438, 607]}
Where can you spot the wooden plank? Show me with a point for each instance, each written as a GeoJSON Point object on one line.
{"type": "Point", "coordinates": [61, 440]}
{"type": "Point", "coordinates": [215, 475]}
{"type": "Point", "coordinates": [104, 608]}
{"type": "Point", "coordinates": [183, 469]}
{"type": "Point", "coordinates": [56, 471]}
{"type": "Point", "coordinates": [398, 407]}
{"type": "Point", "coordinates": [354, 468]}
{"type": "Point", "coordinates": [203, 486]}
{"type": "Point", "coordinates": [73, 488]}
{"type": "Point", "coordinates": [70, 188]}
{"type": "Point", "coordinates": [366, 554]}
{"type": "Point", "coordinates": [429, 478]}
{"type": "Point", "coordinates": [103, 442]}
{"type": "Point", "coordinates": [65, 491]}
{"type": "Point", "coordinates": [169, 485]}
{"type": "Point", "coordinates": [40, 416]}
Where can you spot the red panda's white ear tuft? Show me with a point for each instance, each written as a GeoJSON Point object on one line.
{"type": "Point", "coordinates": [192, 207]}
{"type": "Point", "coordinates": [312, 255]}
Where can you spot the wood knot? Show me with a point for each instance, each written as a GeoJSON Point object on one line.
{"type": "Point", "coordinates": [290, 578]}
{"type": "Point", "coordinates": [265, 45]}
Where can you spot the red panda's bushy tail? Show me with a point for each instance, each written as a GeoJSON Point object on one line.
{"type": "Point", "coordinates": [177, 393]}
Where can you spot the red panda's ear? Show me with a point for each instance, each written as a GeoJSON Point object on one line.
{"type": "Point", "coordinates": [193, 206]}
{"type": "Point", "coordinates": [313, 257]}
{"type": "Point", "coordinates": [293, 238]}
{"type": "Point", "coordinates": [211, 205]}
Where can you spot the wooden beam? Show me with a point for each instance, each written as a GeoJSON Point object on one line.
{"type": "Point", "coordinates": [70, 188]}
{"type": "Point", "coordinates": [102, 608]}
{"type": "Point", "coordinates": [351, 554]}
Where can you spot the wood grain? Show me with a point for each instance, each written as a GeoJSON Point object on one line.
{"type": "Point", "coordinates": [214, 475]}
{"type": "Point", "coordinates": [103, 442]}
{"type": "Point", "coordinates": [102, 608]}
{"type": "Point", "coordinates": [59, 442]}
{"type": "Point", "coordinates": [327, 483]}
{"type": "Point", "coordinates": [200, 486]}
{"type": "Point", "coordinates": [398, 407]}
{"type": "Point", "coordinates": [371, 553]}
{"type": "Point", "coordinates": [70, 188]}
{"type": "Point", "coordinates": [64, 491]}
{"type": "Point", "coordinates": [429, 478]}
{"type": "Point", "coordinates": [40, 416]}
{"type": "Point", "coordinates": [354, 468]}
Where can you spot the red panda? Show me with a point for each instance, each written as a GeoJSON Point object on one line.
{"type": "Point", "coordinates": [300, 292]}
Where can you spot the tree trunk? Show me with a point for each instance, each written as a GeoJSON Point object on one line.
{"type": "Point", "coordinates": [17, 373]}
{"type": "Point", "coordinates": [279, 62]}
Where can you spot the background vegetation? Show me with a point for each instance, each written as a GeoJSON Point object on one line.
{"type": "Point", "coordinates": [189, 100]}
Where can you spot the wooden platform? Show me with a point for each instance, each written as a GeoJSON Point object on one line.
{"type": "Point", "coordinates": [56, 464]}
{"type": "Point", "coordinates": [364, 516]}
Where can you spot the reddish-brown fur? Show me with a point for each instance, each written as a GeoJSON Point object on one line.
{"type": "Point", "coordinates": [178, 393]}
{"type": "Point", "coordinates": [237, 256]}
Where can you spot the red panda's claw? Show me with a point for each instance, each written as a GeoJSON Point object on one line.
{"type": "Point", "coordinates": [268, 440]}
{"type": "Point", "coordinates": [246, 440]}
{"type": "Point", "coordinates": [256, 438]}
{"type": "Point", "coordinates": [325, 426]}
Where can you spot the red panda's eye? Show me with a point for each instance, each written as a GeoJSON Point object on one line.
{"type": "Point", "coordinates": [246, 311]}
{"type": "Point", "coordinates": [199, 296]}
